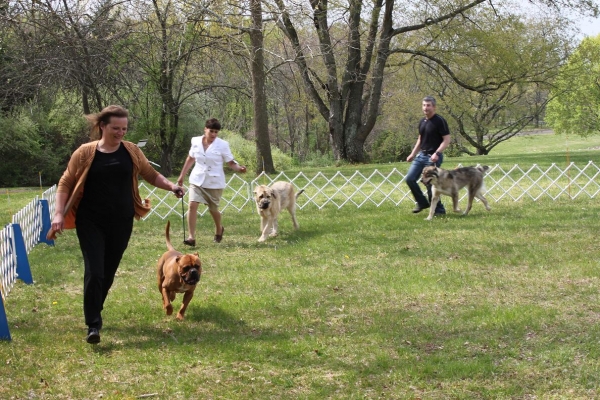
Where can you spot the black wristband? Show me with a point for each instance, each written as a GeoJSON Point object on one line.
{"type": "Point", "coordinates": [438, 153]}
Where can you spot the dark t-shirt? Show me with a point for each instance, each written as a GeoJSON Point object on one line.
{"type": "Point", "coordinates": [108, 191]}
{"type": "Point", "coordinates": [432, 132]}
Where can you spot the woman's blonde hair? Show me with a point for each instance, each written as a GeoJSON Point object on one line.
{"type": "Point", "coordinates": [103, 117]}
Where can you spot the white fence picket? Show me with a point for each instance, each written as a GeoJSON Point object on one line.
{"type": "Point", "coordinates": [377, 188]}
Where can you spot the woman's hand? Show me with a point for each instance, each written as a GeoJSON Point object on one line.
{"type": "Point", "coordinates": [178, 190]}
{"type": "Point", "coordinates": [57, 226]}
{"type": "Point", "coordinates": [58, 222]}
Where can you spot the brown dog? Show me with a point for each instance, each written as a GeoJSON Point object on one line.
{"type": "Point", "coordinates": [177, 273]}
{"type": "Point", "coordinates": [449, 182]}
{"type": "Point", "coordinates": [270, 200]}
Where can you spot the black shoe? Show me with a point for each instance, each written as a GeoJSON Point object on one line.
{"type": "Point", "coordinates": [419, 208]}
{"type": "Point", "coordinates": [190, 242]}
{"type": "Point", "coordinates": [218, 238]}
{"type": "Point", "coordinates": [440, 213]}
{"type": "Point", "coordinates": [93, 336]}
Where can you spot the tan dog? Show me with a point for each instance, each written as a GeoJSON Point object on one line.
{"type": "Point", "coordinates": [177, 273]}
{"type": "Point", "coordinates": [449, 182]}
{"type": "Point", "coordinates": [269, 203]}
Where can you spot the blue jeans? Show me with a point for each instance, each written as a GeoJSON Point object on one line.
{"type": "Point", "coordinates": [413, 176]}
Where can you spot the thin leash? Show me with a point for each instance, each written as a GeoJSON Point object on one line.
{"type": "Point", "coordinates": [183, 219]}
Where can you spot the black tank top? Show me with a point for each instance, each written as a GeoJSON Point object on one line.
{"type": "Point", "coordinates": [108, 188]}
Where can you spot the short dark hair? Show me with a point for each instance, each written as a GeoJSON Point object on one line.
{"type": "Point", "coordinates": [213, 123]}
{"type": "Point", "coordinates": [429, 99]}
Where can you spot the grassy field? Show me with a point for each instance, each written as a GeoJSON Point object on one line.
{"type": "Point", "coordinates": [12, 200]}
{"type": "Point", "coordinates": [359, 303]}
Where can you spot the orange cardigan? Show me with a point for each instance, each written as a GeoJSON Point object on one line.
{"type": "Point", "coordinates": [73, 180]}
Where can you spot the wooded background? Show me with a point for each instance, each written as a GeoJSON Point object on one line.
{"type": "Point", "coordinates": [313, 82]}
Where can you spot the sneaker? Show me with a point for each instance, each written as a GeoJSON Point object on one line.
{"type": "Point", "coordinates": [93, 336]}
{"type": "Point", "coordinates": [190, 242]}
{"type": "Point", "coordinates": [419, 208]}
{"type": "Point", "coordinates": [440, 213]}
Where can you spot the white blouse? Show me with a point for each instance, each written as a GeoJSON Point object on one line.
{"type": "Point", "coordinates": [208, 170]}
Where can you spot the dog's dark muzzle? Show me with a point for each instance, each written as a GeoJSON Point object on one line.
{"type": "Point", "coordinates": [264, 205]}
{"type": "Point", "coordinates": [192, 277]}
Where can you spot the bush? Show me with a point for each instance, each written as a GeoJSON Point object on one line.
{"type": "Point", "coordinates": [244, 152]}
{"type": "Point", "coordinates": [34, 142]}
{"type": "Point", "coordinates": [391, 147]}
{"type": "Point", "coordinates": [317, 159]}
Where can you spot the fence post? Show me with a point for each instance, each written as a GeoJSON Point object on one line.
{"type": "Point", "coordinates": [4, 332]}
{"type": "Point", "coordinates": [23, 269]}
{"type": "Point", "coordinates": [46, 223]}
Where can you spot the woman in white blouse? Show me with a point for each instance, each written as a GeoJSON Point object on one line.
{"type": "Point", "coordinates": [208, 154]}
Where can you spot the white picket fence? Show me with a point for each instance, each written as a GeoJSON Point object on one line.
{"type": "Point", "coordinates": [328, 190]}
{"type": "Point", "coordinates": [8, 266]}
{"type": "Point", "coordinates": [29, 222]}
{"type": "Point", "coordinates": [377, 188]}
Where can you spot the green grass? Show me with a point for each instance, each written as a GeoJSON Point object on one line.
{"type": "Point", "coordinates": [359, 303]}
{"type": "Point", "coordinates": [12, 200]}
{"type": "Point", "coordinates": [542, 150]}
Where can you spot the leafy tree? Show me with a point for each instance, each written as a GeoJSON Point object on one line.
{"type": "Point", "coordinates": [575, 107]}
{"type": "Point", "coordinates": [505, 89]}
{"type": "Point", "coordinates": [68, 45]}
{"type": "Point", "coordinates": [344, 72]}
{"type": "Point", "coordinates": [167, 49]}
{"type": "Point", "coordinates": [264, 159]}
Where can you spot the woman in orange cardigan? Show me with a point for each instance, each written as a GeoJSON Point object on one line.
{"type": "Point", "coordinates": [98, 195]}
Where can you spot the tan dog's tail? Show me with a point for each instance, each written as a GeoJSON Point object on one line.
{"type": "Point", "coordinates": [168, 239]}
{"type": "Point", "coordinates": [299, 193]}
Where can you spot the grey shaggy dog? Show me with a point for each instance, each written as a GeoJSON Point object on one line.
{"type": "Point", "coordinates": [449, 182]}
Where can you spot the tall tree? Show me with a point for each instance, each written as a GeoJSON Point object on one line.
{"type": "Point", "coordinates": [514, 63]}
{"type": "Point", "coordinates": [167, 46]}
{"type": "Point", "coordinates": [576, 106]}
{"type": "Point", "coordinates": [347, 86]}
{"type": "Point", "coordinates": [264, 159]}
{"type": "Point", "coordinates": [68, 44]}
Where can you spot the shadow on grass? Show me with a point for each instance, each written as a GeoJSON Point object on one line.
{"type": "Point", "coordinates": [208, 326]}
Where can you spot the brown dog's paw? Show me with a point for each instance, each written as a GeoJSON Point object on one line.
{"type": "Point", "coordinates": [180, 316]}
{"type": "Point", "coordinates": [169, 309]}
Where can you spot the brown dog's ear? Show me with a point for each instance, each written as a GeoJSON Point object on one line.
{"type": "Point", "coordinates": [197, 255]}
{"type": "Point", "coordinates": [178, 258]}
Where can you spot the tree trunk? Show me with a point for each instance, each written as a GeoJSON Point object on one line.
{"type": "Point", "coordinates": [345, 100]}
{"type": "Point", "coordinates": [264, 159]}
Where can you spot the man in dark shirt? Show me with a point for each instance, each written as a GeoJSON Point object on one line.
{"type": "Point", "coordinates": [434, 137]}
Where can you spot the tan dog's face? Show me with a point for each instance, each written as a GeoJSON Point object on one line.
{"type": "Point", "coordinates": [189, 268]}
{"type": "Point", "coordinates": [264, 195]}
{"type": "Point", "coordinates": [429, 174]}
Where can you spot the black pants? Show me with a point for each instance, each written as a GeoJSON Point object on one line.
{"type": "Point", "coordinates": [102, 244]}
